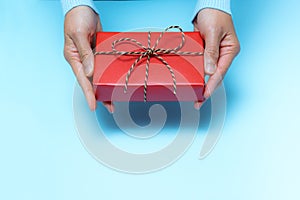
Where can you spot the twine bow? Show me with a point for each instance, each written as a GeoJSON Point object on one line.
{"type": "Point", "coordinates": [150, 52]}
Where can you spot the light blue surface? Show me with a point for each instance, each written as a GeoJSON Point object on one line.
{"type": "Point", "coordinates": [257, 156]}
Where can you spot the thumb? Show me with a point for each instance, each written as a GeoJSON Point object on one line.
{"type": "Point", "coordinates": [211, 53]}
{"type": "Point", "coordinates": [85, 52]}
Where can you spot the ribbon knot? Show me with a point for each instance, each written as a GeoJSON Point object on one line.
{"type": "Point", "coordinates": [150, 52]}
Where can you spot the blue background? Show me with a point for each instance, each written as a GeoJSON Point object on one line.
{"type": "Point", "coordinates": [257, 156]}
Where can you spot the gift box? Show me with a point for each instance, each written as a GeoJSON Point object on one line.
{"type": "Point", "coordinates": [149, 66]}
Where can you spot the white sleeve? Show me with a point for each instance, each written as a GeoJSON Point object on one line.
{"type": "Point", "coordinates": [67, 5]}
{"type": "Point", "coordinates": [223, 5]}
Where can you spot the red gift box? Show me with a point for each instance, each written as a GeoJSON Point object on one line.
{"type": "Point", "coordinates": [111, 68]}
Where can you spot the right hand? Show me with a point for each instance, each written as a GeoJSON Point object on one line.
{"type": "Point", "coordinates": [81, 25]}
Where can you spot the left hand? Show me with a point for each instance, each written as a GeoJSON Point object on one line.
{"type": "Point", "coordinates": [221, 46]}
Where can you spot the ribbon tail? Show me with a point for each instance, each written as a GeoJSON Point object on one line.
{"type": "Point", "coordinates": [146, 78]}
{"type": "Point", "coordinates": [130, 71]}
{"type": "Point", "coordinates": [171, 71]}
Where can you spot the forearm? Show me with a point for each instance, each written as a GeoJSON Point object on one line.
{"type": "Point", "coordinates": [67, 5]}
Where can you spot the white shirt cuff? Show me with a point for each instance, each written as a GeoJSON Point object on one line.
{"type": "Point", "coordinates": [67, 5]}
{"type": "Point", "coordinates": [223, 5]}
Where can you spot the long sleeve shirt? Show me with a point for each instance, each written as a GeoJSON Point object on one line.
{"type": "Point", "coordinates": [223, 5]}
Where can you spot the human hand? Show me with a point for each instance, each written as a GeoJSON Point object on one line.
{"type": "Point", "coordinates": [80, 27]}
{"type": "Point", "coordinates": [221, 46]}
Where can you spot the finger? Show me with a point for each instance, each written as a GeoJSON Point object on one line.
{"type": "Point", "coordinates": [83, 45]}
{"type": "Point", "coordinates": [229, 49]}
{"type": "Point", "coordinates": [213, 82]}
{"type": "Point", "coordinates": [109, 106]}
{"type": "Point", "coordinates": [211, 52]}
{"type": "Point", "coordinates": [85, 84]}
{"type": "Point", "coordinates": [198, 105]}
{"type": "Point", "coordinates": [71, 55]}
{"type": "Point", "coordinates": [216, 79]}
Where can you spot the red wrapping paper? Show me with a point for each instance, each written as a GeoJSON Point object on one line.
{"type": "Point", "coordinates": [110, 70]}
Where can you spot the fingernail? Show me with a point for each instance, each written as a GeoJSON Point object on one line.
{"type": "Point", "coordinates": [112, 109]}
{"type": "Point", "coordinates": [197, 106]}
{"type": "Point", "coordinates": [210, 68]}
{"type": "Point", "coordinates": [92, 106]}
{"type": "Point", "coordinates": [88, 70]}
